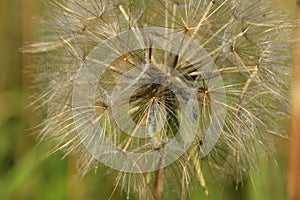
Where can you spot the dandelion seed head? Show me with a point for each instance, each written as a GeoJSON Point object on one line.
{"type": "Point", "coordinates": [163, 88]}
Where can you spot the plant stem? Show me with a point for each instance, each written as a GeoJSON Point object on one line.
{"type": "Point", "coordinates": [294, 159]}
{"type": "Point", "coordinates": [159, 181]}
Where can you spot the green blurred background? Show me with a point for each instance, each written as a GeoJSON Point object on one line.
{"type": "Point", "coordinates": [23, 172]}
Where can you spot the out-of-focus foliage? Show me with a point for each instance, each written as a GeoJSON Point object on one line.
{"type": "Point", "coordinates": [23, 172]}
